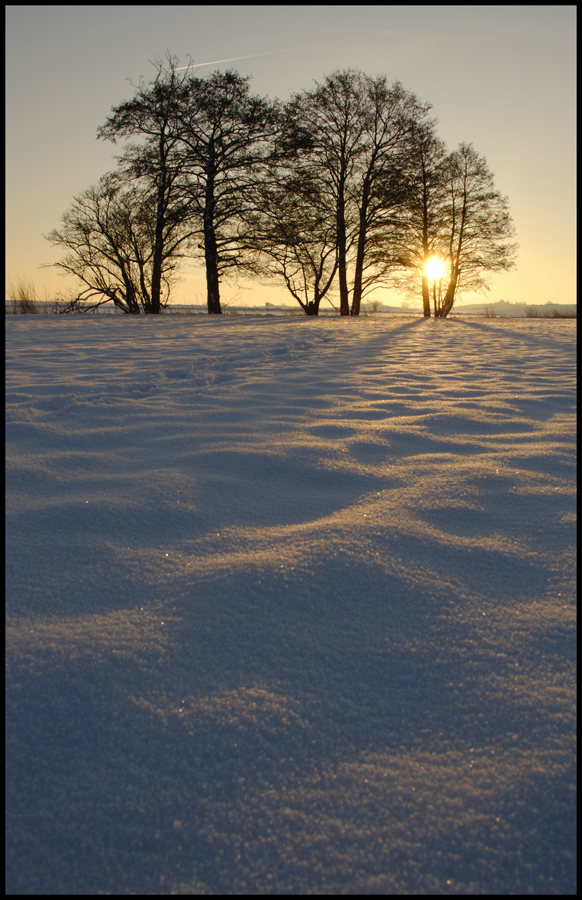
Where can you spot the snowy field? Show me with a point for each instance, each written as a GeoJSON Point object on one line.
{"type": "Point", "coordinates": [290, 605]}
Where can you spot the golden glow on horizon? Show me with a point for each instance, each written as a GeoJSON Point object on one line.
{"type": "Point", "coordinates": [434, 268]}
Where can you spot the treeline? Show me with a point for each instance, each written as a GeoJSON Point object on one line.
{"type": "Point", "coordinates": [341, 189]}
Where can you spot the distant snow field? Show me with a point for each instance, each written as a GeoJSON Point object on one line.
{"type": "Point", "coordinates": [290, 605]}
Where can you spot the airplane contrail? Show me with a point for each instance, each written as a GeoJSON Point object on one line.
{"type": "Point", "coordinates": [215, 62]}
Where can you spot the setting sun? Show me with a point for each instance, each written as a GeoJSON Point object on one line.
{"type": "Point", "coordinates": [434, 268]}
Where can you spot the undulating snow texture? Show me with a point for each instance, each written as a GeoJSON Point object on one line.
{"type": "Point", "coordinates": [290, 606]}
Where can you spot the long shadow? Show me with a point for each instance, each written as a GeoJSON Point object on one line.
{"type": "Point", "coordinates": [526, 338]}
{"type": "Point", "coordinates": [110, 789]}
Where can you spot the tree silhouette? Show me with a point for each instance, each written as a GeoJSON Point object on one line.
{"type": "Point", "coordinates": [226, 137]}
{"type": "Point", "coordinates": [478, 226]}
{"type": "Point", "coordinates": [348, 180]}
{"type": "Point", "coordinates": [350, 135]}
{"type": "Point", "coordinates": [156, 163]}
{"type": "Point", "coordinates": [109, 235]}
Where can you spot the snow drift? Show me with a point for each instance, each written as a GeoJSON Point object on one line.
{"type": "Point", "coordinates": [290, 605]}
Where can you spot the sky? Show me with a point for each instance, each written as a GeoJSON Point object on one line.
{"type": "Point", "coordinates": [499, 77]}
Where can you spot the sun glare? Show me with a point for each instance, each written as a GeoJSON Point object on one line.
{"type": "Point", "coordinates": [433, 268]}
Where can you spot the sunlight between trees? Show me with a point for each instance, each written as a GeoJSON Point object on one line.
{"type": "Point", "coordinates": [339, 190]}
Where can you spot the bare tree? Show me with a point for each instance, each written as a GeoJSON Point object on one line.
{"type": "Point", "coordinates": [157, 163]}
{"type": "Point", "coordinates": [326, 127]}
{"type": "Point", "coordinates": [226, 137]}
{"type": "Point", "coordinates": [383, 187]}
{"type": "Point", "coordinates": [351, 133]}
{"type": "Point", "coordinates": [453, 216]}
{"type": "Point", "coordinates": [349, 179]}
{"type": "Point", "coordinates": [109, 235]}
{"type": "Point", "coordinates": [295, 233]}
{"type": "Point", "coordinates": [418, 230]}
{"type": "Point", "coordinates": [478, 224]}
{"type": "Point", "coordinates": [201, 145]}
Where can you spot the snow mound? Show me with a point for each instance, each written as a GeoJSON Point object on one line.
{"type": "Point", "coordinates": [290, 605]}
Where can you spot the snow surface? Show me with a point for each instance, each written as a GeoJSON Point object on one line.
{"type": "Point", "coordinates": [290, 605]}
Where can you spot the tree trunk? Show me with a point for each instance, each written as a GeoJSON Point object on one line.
{"type": "Point", "coordinates": [359, 271]}
{"type": "Point", "coordinates": [130, 299]}
{"type": "Point", "coordinates": [425, 252]}
{"type": "Point", "coordinates": [211, 252]}
{"type": "Point", "coordinates": [447, 304]}
{"type": "Point", "coordinates": [156, 278]}
{"type": "Point", "coordinates": [159, 238]}
{"type": "Point", "coordinates": [212, 287]}
{"type": "Point", "coordinates": [342, 267]}
{"type": "Point", "coordinates": [425, 296]}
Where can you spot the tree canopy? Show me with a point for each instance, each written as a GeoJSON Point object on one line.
{"type": "Point", "coordinates": [343, 188]}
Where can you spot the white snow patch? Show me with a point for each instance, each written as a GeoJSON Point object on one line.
{"type": "Point", "coordinates": [290, 605]}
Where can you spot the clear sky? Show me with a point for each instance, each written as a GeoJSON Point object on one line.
{"type": "Point", "coordinates": [499, 77]}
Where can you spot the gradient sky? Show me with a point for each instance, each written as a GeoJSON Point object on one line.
{"type": "Point", "coordinates": [499, 77]}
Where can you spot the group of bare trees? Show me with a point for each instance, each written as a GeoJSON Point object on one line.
{"type": "Point", "coordinates": [341, 189]}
